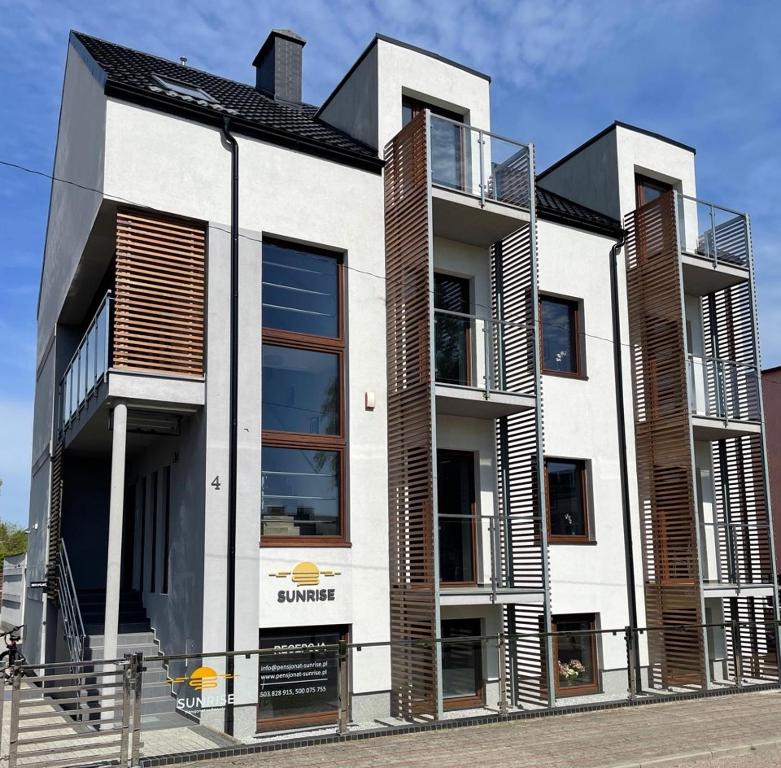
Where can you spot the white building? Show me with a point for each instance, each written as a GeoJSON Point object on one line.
{"type": "Point", "coordinates": [353, 373]}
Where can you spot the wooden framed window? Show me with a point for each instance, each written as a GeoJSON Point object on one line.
{"type": "Point", "coordinates": [452, 333]}
{"type": "Point", "coordinates": [647, 190]}
{"type": "Point", "coordinates": [575, 651]}
{"type": "Point", "coordinates": [303, 413]}
{"type": "Point", "coordinates": [456, 519]}
{"type": "Point", "coordinates": [566, 501]}
{"type": "Point", "coordinates": [463, 685]}
{"type": "Point", "coordinates": [297, 687]}
{"type": "Point", "coordinates": [560, 337]}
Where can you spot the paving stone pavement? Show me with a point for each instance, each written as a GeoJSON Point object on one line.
{"type": "Point", "coordinates": [629, 737]}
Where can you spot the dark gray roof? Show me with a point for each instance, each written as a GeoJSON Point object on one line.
{"type": "Point", "coordinates": [561, 209]}
{"type": "Point", "coordinates": [129, 74]}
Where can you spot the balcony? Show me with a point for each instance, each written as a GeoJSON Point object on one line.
{"type": "Point", "coordinates": [469, 367]}
{"type": "Point", "coordinates": [471, 562]}
{"type": "Point", "coordinates": [723, 398]}
{"type": "Point", "coordinates": [100, 372]}
{"type": "Point", "coordinates": [481, 183]}
{"type": "Point", "coordinates": [714, 243]}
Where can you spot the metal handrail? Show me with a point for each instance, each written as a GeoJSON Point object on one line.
{"type": "Point", "coordinates": [73, 624]}
{"type": "Point", "coordinates": [93, 372]}
{"type": "Point", "coordinates": [730, 402]}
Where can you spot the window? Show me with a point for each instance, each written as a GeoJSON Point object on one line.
{"type": "Point", "coordinates": [566, 493]}
{"type": "Point", "coordinates": [411, 107]}
{"type": "Point", "coordinates": [183, 89]}
{"type": "Point", "coordinates": [647, 190]}
{"type": "Point", "coordinates": [462, 664]}
{"type": "Point", "coordinates": [560, 336]}
{"type": "Point", "coordinates": [452, 334]}
{"type": "Point", "coordinates": [575, 649]}
{"type": "Point", "coordinates": [302, 460]}
{"type": "Point", "coordinates": [298, 685]}
{"type": "Point", "coordinates": [456, 517]}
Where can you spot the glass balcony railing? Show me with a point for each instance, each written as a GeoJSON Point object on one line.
{"type": "Point", "coordinates": [88, 365]}
{"type": "Point", "coordinates": [712, 232]}
{"type": "Point", "coordinates": [468, 350]}
{"type": "Point", "coordinates": [723, 389]}
{"type": "Point", "coordinates": [479, 163]}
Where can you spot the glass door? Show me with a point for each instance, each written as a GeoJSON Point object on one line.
{"type": "Point", "coordinates": [452, 334]}
{"type": "Point", "coordinates": [462, 664]}
{"type": "Point", "coordinates": [456, 509]}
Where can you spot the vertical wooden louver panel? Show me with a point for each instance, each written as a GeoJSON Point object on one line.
{"type": "Point", "coordinates": [663, 443]}
{"type": "Point", "coordinates": [410, 429]}
{"type": "Point", "coordinates": [55, 522]}
{"type": "Point", "coordinates": [513, 283]}
{"type": "Point", "coordinates": [158, 307]}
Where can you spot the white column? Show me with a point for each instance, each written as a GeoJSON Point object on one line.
{"type": "Point", "coordinates": [116, 504]}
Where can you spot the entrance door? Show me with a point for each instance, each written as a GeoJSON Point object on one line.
{"type": "Point", "coordinates": [456, 509]}
{"type": "Point", "coordinates": [462, 664]}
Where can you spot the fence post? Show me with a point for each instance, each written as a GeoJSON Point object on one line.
{"type": "Point", "coordinates": [136, 684]}
{"type": "Point", "coordinates": [630, 639]}
{"type": "Point", "coordinates": [737, 645]}
{"type": "Point", "coordinates": [2, 712]}
{"type": "Point", "coordinates": [127, 703]}
{"type": "Point", "coordinates": [13, 738]}
{"type": "Point", "coordinates": [501, 647]}
{"type": "Point", "coordinates": [343, 687]}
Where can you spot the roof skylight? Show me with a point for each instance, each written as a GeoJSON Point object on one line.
{"type": "Point", "coordinates": [183, 89]}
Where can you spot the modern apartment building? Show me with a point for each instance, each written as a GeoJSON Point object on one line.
{"type": "Point", "coordinates": [358, 371]}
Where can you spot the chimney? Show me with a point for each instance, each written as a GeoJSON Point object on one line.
{"type": "Point", "coordinates": [278, 66]}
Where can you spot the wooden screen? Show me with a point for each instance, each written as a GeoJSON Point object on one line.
{"type": "Point", "coordinates": [751, 638]}
{"type": "Point", "coordinates": [519, 447]}
{"type": "Point", "coordinates": [410, 434]}
{"type": "Point", "coordinates": [158, 307]}
{"type": "Point", "coordinates": [662, 431]}
{"type": "Point", "coordinates": [55, 523]}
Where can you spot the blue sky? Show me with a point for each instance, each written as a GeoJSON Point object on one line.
{"type": "Point", "coordinates": [703, 72]}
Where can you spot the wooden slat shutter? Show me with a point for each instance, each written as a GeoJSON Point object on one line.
{"type": "Point", "coordinates": [159, 294]}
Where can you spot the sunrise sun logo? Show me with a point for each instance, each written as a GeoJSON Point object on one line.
{"type": "Point", "coordinates": [305, 574]}
{"type": "Point", "coordinates": [202, 680]}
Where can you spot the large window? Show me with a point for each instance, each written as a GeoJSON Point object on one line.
{"type": "Point", "coordinates": [560, 336]}
{"type": "Point", "coordinates": [647, 190]}
{"type": "Point", "coordinates": [462, 664]}
{"type": "Point", "coordinates": [566, 493]}
{"type": "Point", "coordinates": [297, 683]}
{"type": "Point", "coordinates": [575, 649]}
{"type": "Point", "coordinates": [302, 461]}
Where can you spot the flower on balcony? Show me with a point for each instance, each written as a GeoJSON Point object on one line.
{"type": "Point", "coordinates": [571, 670]}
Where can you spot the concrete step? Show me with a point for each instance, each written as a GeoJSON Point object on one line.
{"type": "Point", "coordinates": [158, 704]}
{"type": "Point", "coordinates": [125, 638]}
{"type": "Point", "coordinates": [124, 627]}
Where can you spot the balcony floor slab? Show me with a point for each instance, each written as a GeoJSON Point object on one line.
{"type": "Point", "coordinates": [454, 400]}
{"type": "Point", "coordinates": [701, 276]}
{"type": "Point", "coordinates": [725, 590]}
{"type": "Point", "coordinates": [709, 428]}
{"type": "Point", "coordinates": [459, 216]}
{"type": "Point", "coordinates": [484, 595]}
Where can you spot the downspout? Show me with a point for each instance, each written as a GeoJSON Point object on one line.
{"type": "Point", "coordinates": [618, 369]}
{"type": "Point", "coordinates": [234, 413]}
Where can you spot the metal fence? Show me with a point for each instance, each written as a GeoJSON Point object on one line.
{"type": "Point", "coordinates": [111, 712]}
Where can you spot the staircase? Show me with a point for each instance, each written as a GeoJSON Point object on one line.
{"type": "Point", "coordinates": [135, 634]}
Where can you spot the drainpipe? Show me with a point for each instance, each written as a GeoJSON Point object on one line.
{"type": "Point", "coordinates": [618, 370]}
{"type": "Point", "coordinates": [234, 413]}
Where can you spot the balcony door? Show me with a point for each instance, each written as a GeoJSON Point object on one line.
{"type": "Point", "coordinates": [453, 333]}
{"type": "Point", "coordinates": [462, 664]}
{"type": "Point", "coordinates": [456, 517]}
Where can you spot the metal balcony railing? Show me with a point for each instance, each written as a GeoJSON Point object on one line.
{"type": "Point", "coordinates": [89, 364]}
{"type": "Point", "coordinates": [713, 232]}
{"type": "Point", "coordinates": [479, 163]}
{"type": "Point", "coordinates": [468, 350]}
{"type": "Point", "coordinates": [723, 389]}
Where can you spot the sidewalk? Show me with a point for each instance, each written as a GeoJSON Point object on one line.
{"type": "Point", "coordinates": [676, 732]}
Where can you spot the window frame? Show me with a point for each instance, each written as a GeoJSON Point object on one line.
{"type": "Point", "coordinates": [575, 306]}
{"type": "Point", "coordinates": [450, 703]}
{"type": "Point", "coordinates": [181, 88]}
{"type": "Point", "coordinates": [306, 440]}
{"type": "Point", "coordinates": [585, 538]}
{"type": "Point", "coordinates": [469, 331]}
{"type": "Point", "coordinates": [641, 181]}
{"type": "Point", "coordinates": [315, 718]}
{"type": "Point", "coordinates": [585, 688]}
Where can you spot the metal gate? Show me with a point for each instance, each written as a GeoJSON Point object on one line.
{"type": "Point", "coordinates": [74, 714]}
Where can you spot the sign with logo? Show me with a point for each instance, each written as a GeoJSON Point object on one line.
{"type": "Point", "coordinates": [300, 678]}
{"type": "Point", "coordinates": [306, 576]}
{"type": "Point", "coordinates": [201, 682]}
